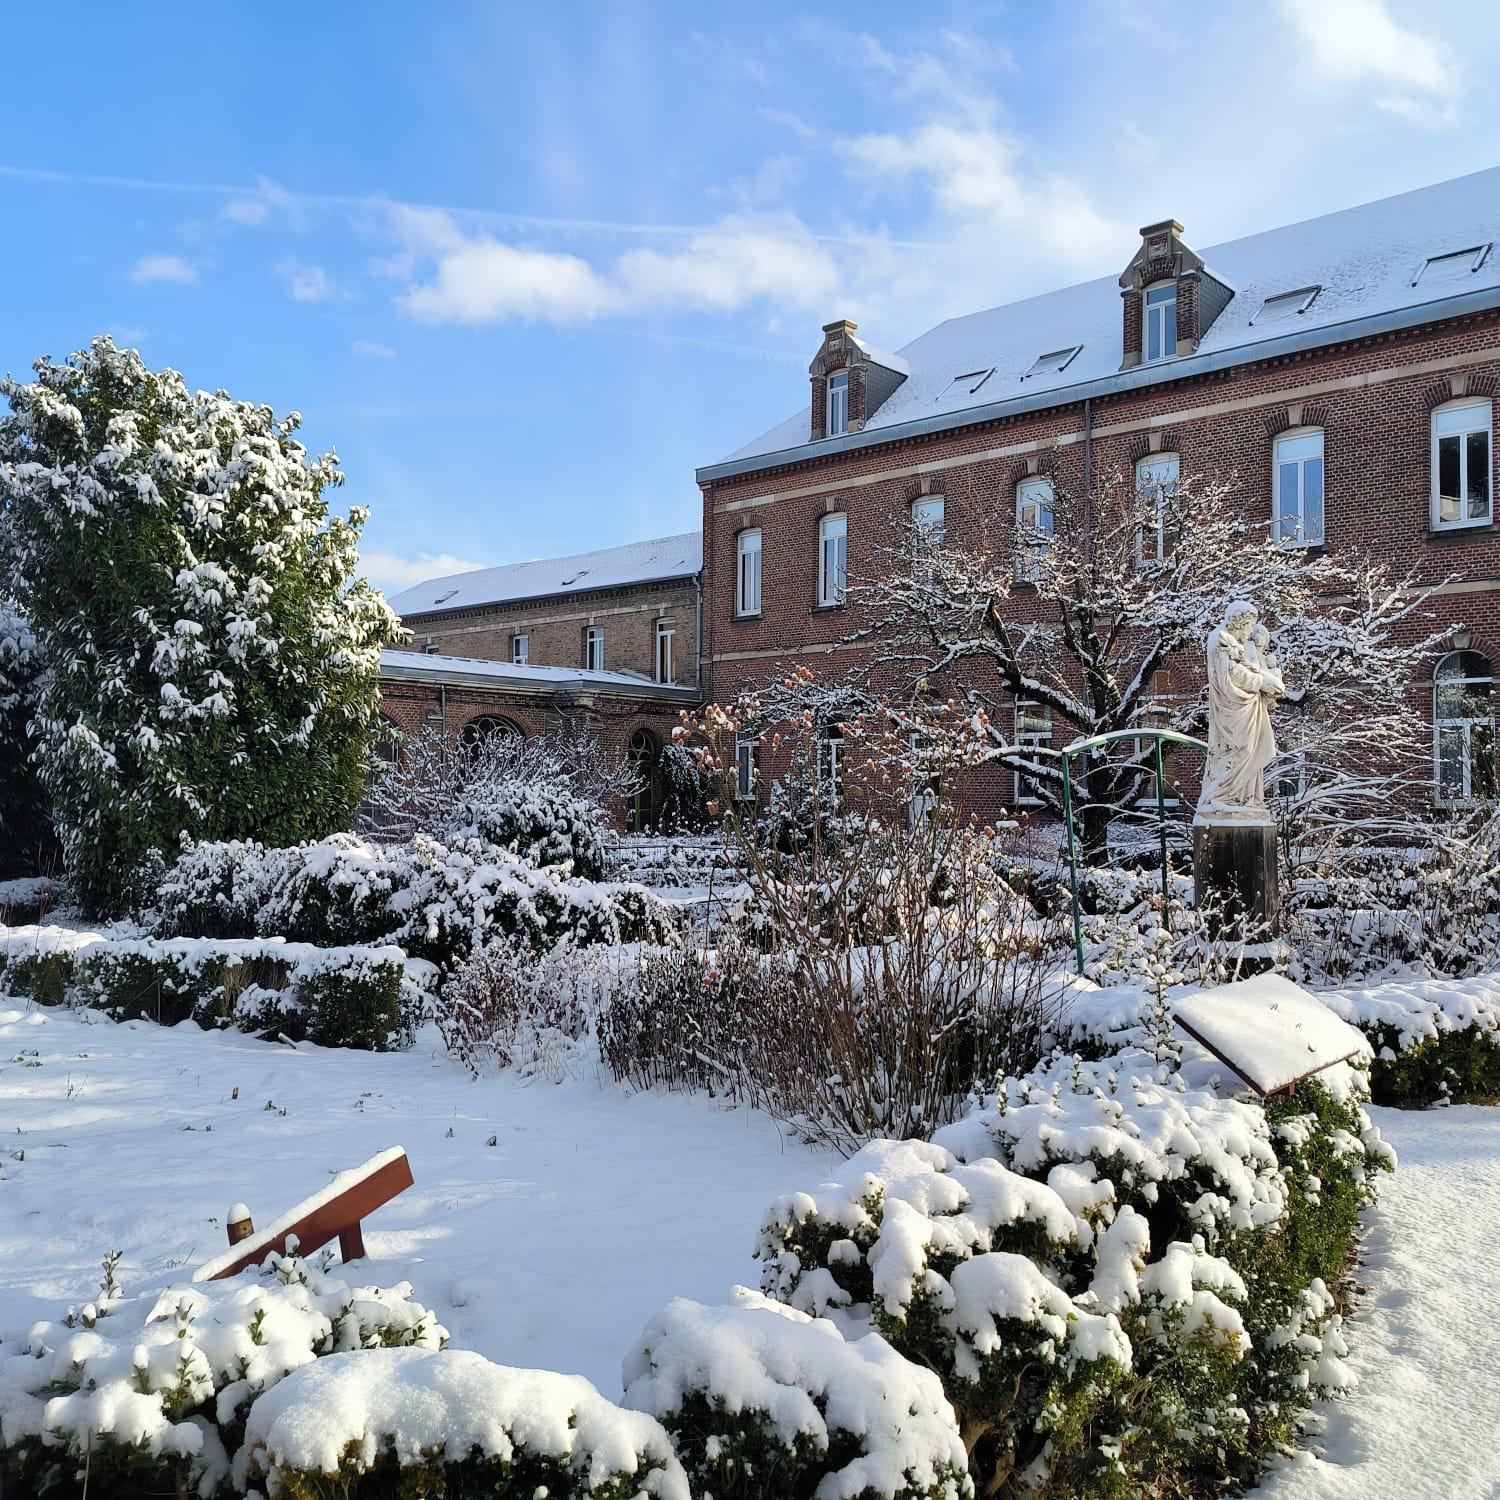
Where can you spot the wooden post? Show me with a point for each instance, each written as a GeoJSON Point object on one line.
{"type": "Point", "coordinates": [238, 1224]}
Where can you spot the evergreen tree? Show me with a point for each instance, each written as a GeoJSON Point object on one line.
{"type": "Point", "coordinates": [24, 828]}
{"type": "Point", "coordinates": [210, 658]}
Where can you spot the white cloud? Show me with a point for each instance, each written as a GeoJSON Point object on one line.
{"type": "Point", "coordinates": [1357, 42]}
{"type": "Point", "coordinates": [392, 572]}
{"type": "Point", "coordinates": [250, 211]}
{"type": "Point", "coordinates": [308, 283]}
{"type": "Point", "coordinates": [482, 280]}
{"type": "Point", "coordinates": [163, 268]}
{"type": "Point", "coordinates": [367, 349]}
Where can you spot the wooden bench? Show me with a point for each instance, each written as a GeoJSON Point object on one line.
{"type": "Point", "coordinates": [334, 1213]}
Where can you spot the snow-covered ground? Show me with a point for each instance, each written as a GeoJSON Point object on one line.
{"type": "Point", "coordinates": [551, 1247]}
{"type": "Point", "coordinates": [555, 1245]}
{"type": "Point", "coordinates": [1423, 1423]}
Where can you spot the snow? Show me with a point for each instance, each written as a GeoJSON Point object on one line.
{"type": "Point", "coordinates": [1421, 1423]}
{"type": "Point", "coordinates": [658, 560]}
{"type": "Point", "coordinates": [425, 664]}
{"type": "Point", "coordinates": [268, 1236]}
{"type": "Point", "coordinates": [549, 1248]}
{"type": "Point", "coordinates": [1269, 1030]}
{"type": "Point", "coordinates": [1365, 259]}
{"type": "Point", "coordinates": [1419, 1010]}
{"type": "Point", "coordinates": [416, 1402]}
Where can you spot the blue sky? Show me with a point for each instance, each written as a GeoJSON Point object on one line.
{"type": "Point", "coordinates": [526, 266]}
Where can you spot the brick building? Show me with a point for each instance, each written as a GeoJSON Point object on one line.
{"type": "Point", "coordinates": [1344, 371]}
{"type": "Point", "coordinates": [606, 641]}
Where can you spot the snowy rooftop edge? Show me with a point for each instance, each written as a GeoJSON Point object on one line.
{"type": "Point", "coordinates": [1368, 261]}
{"type": "Point", "coordinates": [424, 665]}
{"type": "Point", "coordinates": [660, 558]}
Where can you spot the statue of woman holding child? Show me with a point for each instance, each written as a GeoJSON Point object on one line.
{"type": "Point", "coordinates": [1244, 682]}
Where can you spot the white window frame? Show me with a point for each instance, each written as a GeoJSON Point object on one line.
{"type": "Point", "coordinates": [1462, 725]}
{"type": "Point", "coordinates": [929, 516]}
{"type": "Point", "coordinates": [1030, 492]}
{"type": "Point", "coordinates": [836, 404]}
{"type": "Point", "coordinates": [593, 649]}
{"type": "Point", "coordinates": [744, 767]}
{"type": "Point", "coordinates": [520, 649]}
{"type": "Point", "coordinates": [833, 559]}
{"type": "Point", "coordinates": [1154, 313]}
{"type": "Point", "coordinates": [1036, 736]}
{"type": "Point", "coordinates": [1282, 456]}
{"type": "Point", "coordinates": [666, 651]}
{"type": "Point", "coordinates": [830, 768]}
{"type": "Point", "coordinates": [1149, 473]}
{"type": "Point", "coordinates": [1461, 419]}
{"type": "Point", "coordinates": [749, 552]}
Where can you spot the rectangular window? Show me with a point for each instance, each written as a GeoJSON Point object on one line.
{"type": "Point", "coordinates": [837, 410]}
{"type": "Point", "coordinates": [1461, 465]}
{"type": "Point", "coordinates": [833, 559]}
{"type": "Point", "coordinates": [593, 649]}
{"type": "Point", "coordinates": [1160, 333]}
{"type": "Point", "coordinates": [1034, 526]}
{"type": "Point", "coordinates": [927, 519]}
{"type": "Point", "coordinates": [747, 585]}
{"type": "Point", "coordinates": [520, 650]}
{"type": "Point", "coordinates": [1033, 727]}
{"type": "Point", "coordinates": [744, 767]}
{"type": "Point", "coordinates": [666, 651]}
{"type": "Point", "coordinates": [1297, 481]}
{"type": "Point", "coordinates": [1156, 480]}
{"type": "Point", "coordinates": [830, 764]}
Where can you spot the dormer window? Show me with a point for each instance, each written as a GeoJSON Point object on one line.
{"type": "Point", "coordinates": [1159, 336]}
{"type": "Point", "coordinates": [838, 404]}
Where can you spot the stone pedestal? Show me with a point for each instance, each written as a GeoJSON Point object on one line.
{"type": "Point", "coordinates": [1234, 878]}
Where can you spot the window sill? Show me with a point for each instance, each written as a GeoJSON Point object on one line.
{"type": "Point", "coordinates": [1453, 534]}
{"type": "Point", "coordinates": [1307, 547]}
{"type": "Point", "coordinates": [754, 614]}
{"type": "Point", "coordinates": [828, 609]}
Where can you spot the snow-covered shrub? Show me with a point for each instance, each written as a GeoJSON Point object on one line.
{"type": "Point", "coordinates": [506, 1008]}
{"type": "Point", "coordinates": [365, 997]}
{"type": "Point", "coordinates": [1121, 1278]}
{"type": "Point", "coordinates": [539, 822]}
{"type": "Point", "coordinates": [1435, 1040]}
{"type": "Point", "coordinates": [212, 654]}
{"type": "Point", "coordinates": [150, 1394]}
{"type": "Point", "coordinates": [25, 828]}
{"type": "Point", "coordinates": [686, 791]}
{"type": "Point", "coordinates": [679, 862]}
{"type": "Point", "coordinates": [763, 1400]}
{"type": "Point", "coordinates": [26, 899]}
{"type": "Point", "coordinates": [433, 901]}
{"type": "Point", "coordinates": [417, 1421]}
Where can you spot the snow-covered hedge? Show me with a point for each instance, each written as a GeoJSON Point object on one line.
{"type": "Point", "coordinates": [417, 1421]}
{"type": "Point", "coordinates": [150, 1394]}
{"type": "Point", "coordinates": [764, 1400]}
{"type": "Point", "coordinates": [542, 823]}
{"type": "Point", "coordinates": [434, 901]}
{"type": "Point", "coordinates": [1121, 1277]}
{"type": "Point", "coordinates": [352, 996]}
{"type": "Point", "coordinates": [1434, 1039]}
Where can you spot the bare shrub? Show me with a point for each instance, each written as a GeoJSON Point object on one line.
{"type": "Point", "coordinates": [505, 1008]}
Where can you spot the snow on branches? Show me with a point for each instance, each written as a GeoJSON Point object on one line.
{"type": "Point", "coordinates": [211, 654]}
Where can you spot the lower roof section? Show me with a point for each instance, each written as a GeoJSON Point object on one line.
{"type": "Point", "coordinates": [510, 677]}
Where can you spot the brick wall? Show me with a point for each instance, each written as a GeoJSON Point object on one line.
{"type": "Point", "coordinates": [1373, 399]}
{"type": "Point", "coordinates": [556, 625]}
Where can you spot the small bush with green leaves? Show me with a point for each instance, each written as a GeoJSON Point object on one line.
{"type": "Point", "coordinates": [418, 1422]}
{"type": "Point", "coordinates": [764, 1400]}
{"type": "Point", "coordinates": [141, 1395]}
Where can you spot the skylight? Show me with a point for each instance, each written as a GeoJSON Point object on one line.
{"type": "Point", "coordinates": [581, 573]}
{"type": "Point", "coordinates": [1453, 264]}
{"type": "Point", "coordinates": [1054, 363]}
{"type": "Point", "coordinates": [965, 384]}
{"type": "Point", "coordinates": [1286, 305]}
{"type": "Point", "coordinates": [443, 598]}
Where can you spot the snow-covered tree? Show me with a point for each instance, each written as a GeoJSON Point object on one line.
{"type": "Point", "coordinates": [23, 814]}
{"type": "Point", "coordinates": [1095, 619]}
{"type": "Point", "coordinates": [210, 656]}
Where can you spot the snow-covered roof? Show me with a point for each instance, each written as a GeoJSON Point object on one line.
{"type": "Point", "coordinates": [666, 557]}
{"type": "Point", "coordinates": [1415, 249]}
{"type": "Point", "coordinates": [432, 666]}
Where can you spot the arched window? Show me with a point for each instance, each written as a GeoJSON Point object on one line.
{"type": "Point", "coordinates": [485, 730]}
{"type": "Point", "coordinates": [1463, 721]}
{"type": "Point", "coordinates": [643, 763]}
{"type": "Point", "coordinates": [1034, 526]}
{"type": "Point", "coordinates": [1462, 464]}
{"type": "Point", "coordinates": [1156, 479]}
{"type": "Point", "coordinates": [1297, 487]}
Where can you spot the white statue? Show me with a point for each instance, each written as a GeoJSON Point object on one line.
{"type": "Point", "coordinates": [1244, 680]}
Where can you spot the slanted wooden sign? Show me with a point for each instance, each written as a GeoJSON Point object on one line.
{"type": "Point", "coordinates": [334, 1213]}
{"type": "Point", "coordinates": [1270, 1031]}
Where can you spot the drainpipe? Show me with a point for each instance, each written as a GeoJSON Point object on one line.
{"type": "Point", "coordinates": [1088, 473]}
{"type": "Point", "coordinates": [443, 705]}
{"type": "Point", "coordinates": [698, 634]}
